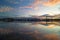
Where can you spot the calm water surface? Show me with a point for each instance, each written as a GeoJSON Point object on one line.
{"type": "Point", "coordinates": [35, 30]}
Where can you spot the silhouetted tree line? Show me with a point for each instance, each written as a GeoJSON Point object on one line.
{"type": "Point", "coordinates": [26, 19]}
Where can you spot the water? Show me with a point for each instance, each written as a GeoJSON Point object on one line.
{"type": "Point", "coordinates": [29, 31]}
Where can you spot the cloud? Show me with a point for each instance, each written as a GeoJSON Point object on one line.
{"type": "Point", "coordinates": [14, 1]}
{"type": "Point", "coordinates": [26, 7]}
{"type": "Point", "coordinates": [5, 9]}
{"type": "Point", "coordinates": [34, 5]}
{"type": "Point", "coordinates": [51, 2]}
{"type": "Point", "coordinates": [36, 2]}
{"type": "Point", "coordinates": [46, 3]}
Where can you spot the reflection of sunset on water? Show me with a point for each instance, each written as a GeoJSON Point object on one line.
{"type": "Point", "coordinates": [35, 30]}
{"type": "Point", "coordinates": [51, 26]}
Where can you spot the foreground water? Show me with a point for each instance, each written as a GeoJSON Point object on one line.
{"type": "Point", "coordinates": [29, 31]}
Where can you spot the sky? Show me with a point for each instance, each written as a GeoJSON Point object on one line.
{"type": "Point", "coordinates": [19, 8]}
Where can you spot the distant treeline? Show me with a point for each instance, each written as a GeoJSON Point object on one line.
{"type": "Point", "coordinates": [26, 19]}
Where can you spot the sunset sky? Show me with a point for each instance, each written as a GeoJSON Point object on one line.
{"type": "Point", "coordinates": [20, 8]}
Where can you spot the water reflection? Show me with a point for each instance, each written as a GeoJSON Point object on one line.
{"type": "Point", "coordinates": [48, 23]}
{"type": "Point", "coordinates": [30, 30]}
